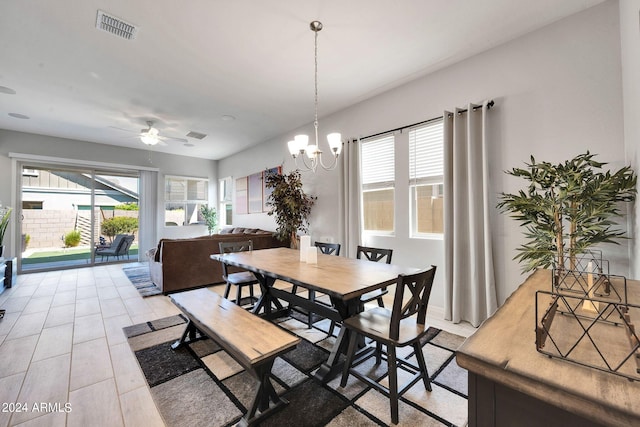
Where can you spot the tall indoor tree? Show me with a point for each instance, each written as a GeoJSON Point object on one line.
{"type": "Point", "coordinates": [567, 208]}
{"type": "Point", "coordinates": [290, 205]}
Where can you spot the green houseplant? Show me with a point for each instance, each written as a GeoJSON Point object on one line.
{"type": "Point", "coordinates": [210, 217]}
{"type": "Point", "coordinates": [290, 204]}
{"type": "Point", "coordinates": [5, 217]}
{"type": "Point", "coordinates": [567, 208]}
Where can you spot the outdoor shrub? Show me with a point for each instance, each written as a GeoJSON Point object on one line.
{"type": "Point", "coordinates": [119, 225]}
{"type": "Point", "coordinates": [72, 239]}
{"type": "Point", "coordinates": [127, 207]}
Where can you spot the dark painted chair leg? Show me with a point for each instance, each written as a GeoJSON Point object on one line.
{"type": "Point", "coordinates": [312, 297]}
{"type": "Point", "coordinates": [351, 351]}
{"type": "Point", "coordinates": [239, 295]}
{"type": "Point", "coordinates": [423, 366]}
{"type": "Point", "coordinates": [393, 383]}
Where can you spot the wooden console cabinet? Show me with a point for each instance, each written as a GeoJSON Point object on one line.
{"type": "Point", "coordinates": [511, 384]}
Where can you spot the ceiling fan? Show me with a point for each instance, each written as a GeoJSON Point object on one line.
{"type": "Point", "coordinates": [151, 135]}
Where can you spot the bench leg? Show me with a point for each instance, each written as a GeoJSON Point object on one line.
{"type": "Point", "coordinates": [264, 397]}
{"type": "Point", "coordinates": [190, 330]}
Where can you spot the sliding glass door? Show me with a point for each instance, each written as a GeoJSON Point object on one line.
{"type": "Point", "coordinates": [70, 217]}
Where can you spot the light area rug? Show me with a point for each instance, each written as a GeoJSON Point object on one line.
{"type": "Point", "coordinates": [201, 385]}
{"type": "Point", "coordinates": [139, 277]}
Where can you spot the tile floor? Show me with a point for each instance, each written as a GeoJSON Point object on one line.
{"type": "Point", "coordinates": [64, 360]}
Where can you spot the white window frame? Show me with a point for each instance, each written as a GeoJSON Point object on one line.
{"type": "Point", "coordinates": [225, 191]}
{"type": "Point", "coordinates": [426, 168]}
{"type": "Point", "coordinates": [380, 180]}
{"type": "Point", "coordinates": [186, 201]}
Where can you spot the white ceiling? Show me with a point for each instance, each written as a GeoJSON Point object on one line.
{"type": "Point", "coordinates": [192, 63]}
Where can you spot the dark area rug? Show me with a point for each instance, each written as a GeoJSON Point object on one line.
{"type": "Point", "coordinates": [139, 276]}
{"type": "Point", "coordinates": [201, 385]}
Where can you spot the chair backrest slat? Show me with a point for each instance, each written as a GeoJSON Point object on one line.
{"type": "Point", "coordinates": [125, 244]}
{"type": "Point", "coordinates": [229, 247]}
{"type": "Point", "coordinates": [117, 241]}
{"type": "Point", "coordinates": [329, 248]}
{"type": "Point", "coordinates": [374, 254]}
{"type": "Point", "coordinates": [419, 285]}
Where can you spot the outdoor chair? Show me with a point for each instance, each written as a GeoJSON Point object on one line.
{"type": "Point", "coordinates": [327, 249]}
{"type": "Point", "coordinates": [403, 325]}
{"type": "Point", "coordinates": [239, 279]}
{"type": "Point", "coordinates": [119, 247]}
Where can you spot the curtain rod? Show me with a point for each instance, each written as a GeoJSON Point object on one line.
{"type": "Point", "coordinates": [424, 122]}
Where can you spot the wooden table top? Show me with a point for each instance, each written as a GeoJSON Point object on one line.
{"type": "Point", "coordinates": [503, 349]}
{"type": "Point", "coordinates": [341, 277]}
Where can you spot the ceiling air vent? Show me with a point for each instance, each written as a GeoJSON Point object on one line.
{"type": "Point", "coordinates": [196, 135]}
{"type": "Point", "coordinates": [116, 26]}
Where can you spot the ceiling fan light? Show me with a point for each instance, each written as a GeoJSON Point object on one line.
{"type": "Point", "coordinates": [149, 138]}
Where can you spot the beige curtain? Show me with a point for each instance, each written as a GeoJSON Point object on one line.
{"type": "Point", "coordinates": [470, 292]}
{"type": "Point", "coordinates": [349, 200]}
{"type": "Point", "coordinates": [147, 234]}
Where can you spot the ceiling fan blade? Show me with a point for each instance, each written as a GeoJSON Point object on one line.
{"type": "Point", "coordinates": [125, 130]}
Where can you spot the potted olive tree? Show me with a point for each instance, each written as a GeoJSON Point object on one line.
{"type": "Point", "coordinates": [290, 204]}
{"type": "Point", "coordinates": [567, 208]}
{"type": "Point", "coordinates": [210, 217]}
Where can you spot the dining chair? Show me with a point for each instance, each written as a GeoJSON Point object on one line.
{"type": "Point", "coordinates": [375, 255]}
{"type": "Point", "coordinates": [327, 249]}
{"type": "Point", "coordinates": [399, 327]}
{"type": "Point", "coordinates": [239, 279]}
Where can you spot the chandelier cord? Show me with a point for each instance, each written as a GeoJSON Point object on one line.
{"type": "Point", "coordinates": [315, 122]}
{"type": "Point", "coordinates": [299, 146]}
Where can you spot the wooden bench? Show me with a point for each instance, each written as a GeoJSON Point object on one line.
{"type": "Point", "coordinates": [252, 341]}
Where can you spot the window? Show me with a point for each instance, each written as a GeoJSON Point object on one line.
{"type": "Point", "coordinates": [225, 213]}
{"type": "Point", "coordinates": [183, 197]}
{"type": "Point", "coordinates": [426, 165]}
{"type": "Point", "coordinates": [378, 176]}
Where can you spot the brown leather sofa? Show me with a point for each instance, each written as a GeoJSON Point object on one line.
{"type": "Point", "coordinates": [181, 264]}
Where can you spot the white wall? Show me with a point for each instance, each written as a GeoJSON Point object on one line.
{"type": "Point", "coordinates": [557, 91]}
{"type": "Point", "coordinates": [18, 142]}
{"type": "Point", "coordinates": [630, 42]}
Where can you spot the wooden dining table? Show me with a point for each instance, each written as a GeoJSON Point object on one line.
{"type": "Point", "coordinates": [344, 280]}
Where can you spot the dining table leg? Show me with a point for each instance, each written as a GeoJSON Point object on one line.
{"type": "Point", "coordinates": [267, 302]}
{"type": "Point", "coordinates": [333, 366]}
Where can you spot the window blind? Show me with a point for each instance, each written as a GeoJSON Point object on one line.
{"type": "Point", "coordinates": [378, 162]}
{"type": "Point", "coordinates": [426, 154]}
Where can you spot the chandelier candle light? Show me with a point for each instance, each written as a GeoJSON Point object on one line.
{"type": "Point", "coordinates": [299, 146]}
